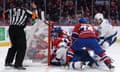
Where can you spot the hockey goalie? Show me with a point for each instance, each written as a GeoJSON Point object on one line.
{"type": "Point", "coordinates": [61, 42]}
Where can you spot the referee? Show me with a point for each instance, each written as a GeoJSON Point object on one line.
{"type": "Point", "coordinates": [18, 17]}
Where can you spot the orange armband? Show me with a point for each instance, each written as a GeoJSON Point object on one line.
{"type": "Point", "coordinates": [34, 15]}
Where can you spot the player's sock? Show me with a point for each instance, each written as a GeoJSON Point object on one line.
{"type": "Point", "coordinates": [70, 54]}
{"type": "Point", "coordinates": [106, 60]}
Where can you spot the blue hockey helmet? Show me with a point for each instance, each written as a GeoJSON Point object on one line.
{"type": "Point", "coordinates": [83, 20]}
{"type": "Point", "coordinates": [57, 29]}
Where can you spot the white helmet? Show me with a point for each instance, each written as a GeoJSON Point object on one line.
{"type": "Point", "coordinates": [99, 16]}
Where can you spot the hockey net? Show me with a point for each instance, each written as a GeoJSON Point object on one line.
{"type": "Point", "coordinates": [37, 42]}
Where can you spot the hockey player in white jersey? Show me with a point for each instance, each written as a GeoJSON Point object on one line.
{"type": "Point", "coordinates": [107, 32]}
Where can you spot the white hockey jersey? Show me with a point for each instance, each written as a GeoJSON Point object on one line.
{"type": "Point", "coordinates": [106, 29]}
{"type": "Point", "coordinates": [107, 34]}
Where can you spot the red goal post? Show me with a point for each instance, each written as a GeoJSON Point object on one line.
{"type": "Point", "coordinates": [50, 27]}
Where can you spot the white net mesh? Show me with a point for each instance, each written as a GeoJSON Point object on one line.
{"type": "Point", "coordinates": [37, 39]}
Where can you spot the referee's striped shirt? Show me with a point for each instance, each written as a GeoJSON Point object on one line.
{"type": "Point", "coordinates": [18, 16]}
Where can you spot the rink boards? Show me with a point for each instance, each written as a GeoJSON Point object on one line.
{"type": "Point", "coordinates": [4, 37]}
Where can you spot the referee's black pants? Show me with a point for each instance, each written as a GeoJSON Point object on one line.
{"type": "Point", "coordinates": [18, 48]}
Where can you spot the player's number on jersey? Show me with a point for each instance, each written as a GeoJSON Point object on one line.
{"type": "Point", "coordinates": [85, 27]}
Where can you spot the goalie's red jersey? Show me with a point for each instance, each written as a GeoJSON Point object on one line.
{"type": "Point", "coordinates": [57, 41]}
{"type": "Point", "coordinates": [84, 31]}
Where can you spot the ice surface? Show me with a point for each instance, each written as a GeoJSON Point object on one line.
{"type": "Point", "coordinates": [113, 52]}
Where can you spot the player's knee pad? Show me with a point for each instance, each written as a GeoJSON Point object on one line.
{"type": "Point", "coordinates": [61, 50]}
